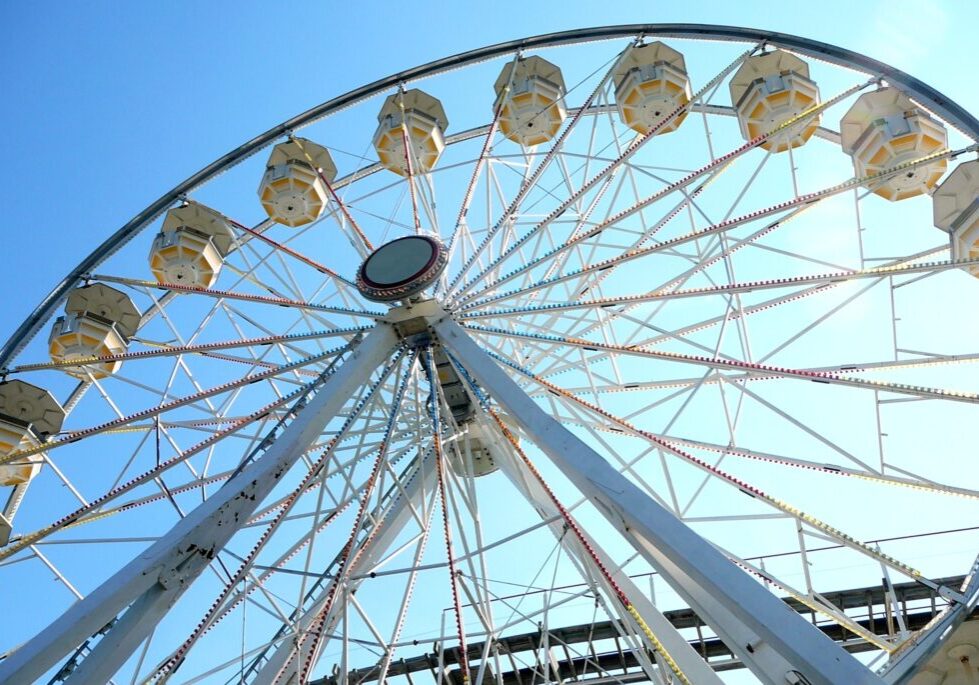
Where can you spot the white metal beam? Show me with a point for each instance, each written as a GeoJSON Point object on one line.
{"type": "Point", "coordinates": [154, 580]}
{"type": "Point", "coordinates": [777, 644]}
{"type": "Point", "coordinates": [690, 663]}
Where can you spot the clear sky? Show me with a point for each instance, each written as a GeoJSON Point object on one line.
{"type": "Point", "coordinates": [109, 104]}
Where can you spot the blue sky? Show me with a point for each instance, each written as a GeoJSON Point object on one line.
{"type": "Point", "coordinates": [110, 104]}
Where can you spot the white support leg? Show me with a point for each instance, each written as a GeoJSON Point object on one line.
{"type": "Point", "coordinates": [153, 581]}
{"type": "Point", "coordinates": [692, 665]}
{"type": "Point", "coordinates": [775, 642]}
{"type": "Point", "coordinates": [399, 514]}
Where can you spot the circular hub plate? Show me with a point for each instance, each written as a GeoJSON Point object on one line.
{"type": "Point", "coordinates": [402, 268]}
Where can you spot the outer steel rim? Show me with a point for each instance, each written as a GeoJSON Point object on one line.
{"type": "Point", "coordinates": [927, 96]}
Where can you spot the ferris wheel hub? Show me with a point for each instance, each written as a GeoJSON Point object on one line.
{"type": "Point", "coordinates": [402, 268]}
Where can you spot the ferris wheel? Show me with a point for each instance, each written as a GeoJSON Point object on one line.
{"type": "Point", "coordinates": [657, 363]}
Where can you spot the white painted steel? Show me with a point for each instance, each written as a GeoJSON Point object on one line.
{"type": "Point", "coordinates": [692, 665]}
{"type": "Point", "coordinates": [149, 584]}
{"type": "Point", "coordinates": [758, 626]}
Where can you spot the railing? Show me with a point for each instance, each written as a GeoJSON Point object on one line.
{"type": "Point", "coordinates": [593, 652]}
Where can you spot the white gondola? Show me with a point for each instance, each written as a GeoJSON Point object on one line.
{"type": "Point", "coordinates": [530, 98]}
{"type": "Point", "coordinates": [480, 448]}
{"type": "Point", "coordinates": [884, 129]}
{"type": "Point", "coordinates": [191, 246]}
{"type": "Point", "coordinates": [294, 190]}
{"type": "Point", "coordinates": [417, 116]}
{"type": "Point", "coordinates": [28, 415]}
{"type": "Point", "coordinates": [650, 83]}
{"type": "Point", "coordinates": [956, 207]}
{"type": "Point", "coordinates": [98, 322]}
{"type": "Point", "coordinates": [770, 89]}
